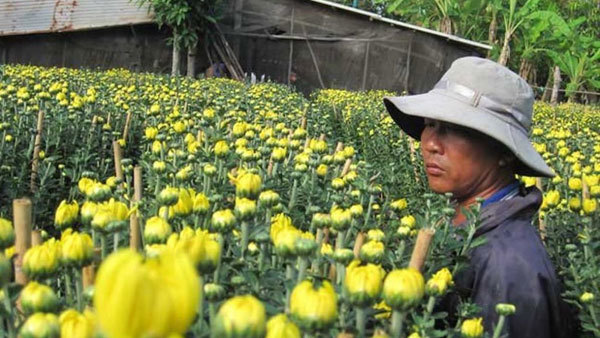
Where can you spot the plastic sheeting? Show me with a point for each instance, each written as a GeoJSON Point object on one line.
{"type": "Point", "coordinates": [325, 47]}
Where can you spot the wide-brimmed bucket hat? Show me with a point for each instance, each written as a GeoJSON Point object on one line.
{"type": "Point", "coordinates": [482, 95]}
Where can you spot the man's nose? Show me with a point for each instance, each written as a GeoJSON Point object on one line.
{"type": "Point", "coordinates": [430, 141]}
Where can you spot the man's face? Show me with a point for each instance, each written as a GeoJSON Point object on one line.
{"type": "Point", "coordinates": [457, 160]}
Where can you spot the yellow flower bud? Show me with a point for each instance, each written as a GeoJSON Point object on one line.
{"type": "Point", "coordinates": [504, 309]}
{"type": "Point", "coordinates": [372, 252]}
{"type": "Point", "coordinates": [168, 196]}
{"type": "Point", "coordinates": [281, 326]}
{"type": "Point", "coordinates": [268, 198]}
{"type": "Point", "coordinates": [244, 208]}
{"type": "Point", "coordinates": [575, 183]}
{"type": "Point", "coordinates": [589, 206]}
{"type": "Point", "coordinates": [157, 230]}
{"type": "Point", "coordinates": [66, 214]}
{"type": "Point", "coordinates": [338, 183]}
{"type": "Point", "coordinates": [42, 261]}
{"type": "Point", "coordinates": [552, 198]}
{"type": "Point", "coordinates": [408, 221]}
{"type": "Point", "coordinates": [179, 127]}
{"type": "Point", "coordinates": [363, 283]}
{"type": "Point", "coordinates": [111, 215]}
{"type": "Point", "coordinates": [185, 204]}
{"type": "Point", "coordinates": [375, 235]}
{"type": "Point", "coordinates": [77, 249]}
{"type": "Point", "coordinates": [7, 234]}
{"type": "Point", "coordinates": [575, 203]}
{"type": "Point", "coordinates": [472, 328]}
{"type": "Point", "coordinates": [321, 170]}
{"type": "Point", "coordinates": [278, 154]}
{"type": "Point", "coordinates": [98, 192]}
{"type": "Point", "coordinates": [84, 184]}
{"type": "Point", "coordinates": [247, 185]}
{"type": "Point", "coordinates": [321, 220]}
{"type": "Point", "coordinates": [201, 204]}
{"type": "Point", "coordinates": [403, 288]}
{"type": "Point", "coordinates": [586, 297]}
{"type": "Point", "coordinates": [151, 133]}
{"type": "Point", "coordinates": [41, 325]}
{"type": "Point", "coordinates": [313, 307]}
{"type": "Point", "coordinates": [223, 220]}
{"type": "Point", "coordinates": [76, 325]}
{"type": "Point", "coordinates": [340, 218]}
{"type": "Point", "coordinates": [159, 166]}
{"type": "Point", "coordinates": [37, 297]}
{"type": "Point", "coordinates": [137, 297]}
{"type": "Point", "coordinates": [87, 212]}
{"type": "Point", "coordinates": [399, 204]}
{"type": "Point", "coordinates": [240, 316]}
{"type": "Point", "coordinates": [221, 148]}
{"type": "Point", "coordinates": [356, 210]}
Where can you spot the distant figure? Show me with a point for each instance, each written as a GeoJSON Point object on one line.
{"type": "Point", "coordinates": [216, 70]}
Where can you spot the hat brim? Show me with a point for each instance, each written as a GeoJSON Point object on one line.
{"type": "Point", "coordinates": [409, 111]}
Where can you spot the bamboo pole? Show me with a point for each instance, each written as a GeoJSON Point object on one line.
{"type": "Point", "coordinates": [303, 123]}
{"type": "Point", "coordinates": [36, 151]}
{"type": "Point", "coordinates": [358, 243]}
{"type": "Point", "coordinates": [339, 146]}
{"type": "Point", "coordinates": [346, 166]}
{"type": "Point", "coordinates": [134, 233]}
{"type": "Point", "coordinates": [88, 274]}
{"type": "Point", "coordinates": [126, 128]}
{"type": "Point", "coordinates": [270, 168]}
{"type": "Point", "coordinates": [36, 238]}
{"type": "Point", "coordinates": [118, 156]}
{"type": "Point", "coordinates": [419, 254]}
{"type": "Point", "coordinates": [22, 223]}
{"type": "Point", "coordinates": [542, 221]}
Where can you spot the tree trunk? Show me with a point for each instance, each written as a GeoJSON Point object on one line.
{"type": "Point", "coordinates": [492, 31]}
{"type": "Point", "coordinates": [547, 89]}
{"type": "Point", "coordinates": [504, 55]}
{"type": "Point", "coordinates": [555, 86]}
{"type": "Point", "coordinates": [191, 62]}
{"type": "Point", "coordinates": [446, 25]}
{"type": "Point", "coordinates": [176, 57]}
{"type": "Point", "coordinates": [526, 69]}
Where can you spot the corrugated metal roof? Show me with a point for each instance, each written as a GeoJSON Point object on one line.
{"type": "Point", "coordinates": [375, 16]}
{"type": "Point", "coordinates": [43, 16]}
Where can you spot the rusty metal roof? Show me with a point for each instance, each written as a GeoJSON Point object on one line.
{"type": "Point", "coordinates": [45, 16]}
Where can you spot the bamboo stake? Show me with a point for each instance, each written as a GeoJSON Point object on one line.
{"type": "Point", "coordinates": [127, 124]}
{"type": "Point", "coordinates": [36, 238]}
{"type": "Point", "coordinates": [346, 166]}
{"type": "Point", "coordinates": [270, 168]}
{"type": "Point", "coordinates": [542, 221]}
{"type": "Point", "coordinates": [134, 225]}
{"type": "Point", "coordinates": [118, 156]}
{"type": "Point", "coordinates": [419, 254]}
{"type": "Point", "coordinates": [358, 243]}
{"type": "Point", "coordinates": [36, 152]}
{"type": "Point", "coordinates": [303, 123]}
{"type": "Point", "coordinates": [339, 147]}
{"type": "Point", "coordinates": [585, 189]}
{"type": "Point", "coordinates": [322, 137]}
{"type": "Point", "coordinates": [88, 274]}
{"type": "Point", "coordinates": [22, 223]}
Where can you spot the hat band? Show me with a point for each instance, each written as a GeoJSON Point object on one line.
{"type": "Point", "coordinates": [477, 99]}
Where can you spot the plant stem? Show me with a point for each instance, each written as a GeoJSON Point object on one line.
{"type": "Point", "coordinates": [221, 242]}
{"type": "Point", "coordinates": [78, 288]}
{"type": "Point", "coordinates": [361, 321]}
{"type": "Point", "coordinates": [201, 304]}
{"type": "Point", "coordinates": [245, 237]}
{"type": "Point", "coordinates": [397, 323]}
{"type": "Point", "coordinates": [103, 246]}
{"type": "Point", "coordinates": [498, 329]}
{"type": "Point", "coordinates": [11, 320]}
{"type": "Point", "coordinates": [302, 266]}
{"type": "Point", "coordinates": [69, 291]}
{"type": "Point", "coordinates": [293, 195]}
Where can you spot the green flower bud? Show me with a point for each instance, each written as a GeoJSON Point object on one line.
{"type": "Point", "coordinates": [504, 309]}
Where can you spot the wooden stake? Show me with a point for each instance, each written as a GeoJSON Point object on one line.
{"type": "Point", "coordinates": [22, 223]}
{"type": "Point", "coordinates": [358, 243]}
{"type": "Point", "coordinates": [270, 168]}
{"type": "Point", "coordinates": [118, 156]}
{"type": "Point", "coordinates": [126, 128]}
{"type": "Point", "coordinates": [37, 145]}
{"type": "Point", "coordinates": [322, 137]}
{"type": "Point", "coordinates": [88, 274]}
{"type": "Point", "coordinates": [134, 225]}
{"type": "Point", "coordinates": [303, 123]}
{"type": "Point", "coordinates": [419, 254]}
{"type": "Point", "coordinates": [36, 238]}
{"type": "Point", "coordinates": [346, 166]}
{"type": "Point", "coordinates": [339, 146]}
{"type": "Point", "coordinates": [542, 221]}
{"type": "Point", "coordinates": [585, 190]}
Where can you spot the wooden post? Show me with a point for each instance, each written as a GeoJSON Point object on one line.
{"type": "Point", "coordinates": [36, 238]}
{"type": "Point", "coordinates": [88, 274]}
{"type": "Point", "coordinates": [22, 223]}
{"type": "Point", "coordinates": [339, 146]}
{"type": "Point", "coordinates": [36, 151]}
{"type": "Point", "coordinates": [118, 156]}
{"type": "Point", "coordinates": [542, 221]}
{"type": "Point", "coordinates": [134, 233]}
{"type": "Point", "coordinates": [360, 239]}
{"type": "Point", "coordinates": [322, 137]}
{"type": "Point", "coordinates": [303, 123]}
{"type": "Point", "coordinates": [270, 168]}
{"type": "Point", "coordinates": [585, 189]}
{"type": "Point", "coordinates": [346, 166]}
{"type": "Point", "coordinates": [126, 128]}
{"type": "Point", "coordinates": [419, 254]}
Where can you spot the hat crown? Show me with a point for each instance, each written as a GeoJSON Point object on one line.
{"type": "Point", "coordinates": [510, 93]}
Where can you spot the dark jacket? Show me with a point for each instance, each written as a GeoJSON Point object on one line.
{"type": "Point", "coordinates": [513, 267]}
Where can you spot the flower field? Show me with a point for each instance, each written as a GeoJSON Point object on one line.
{"type": "Point", "coordinates": [166, 207]}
